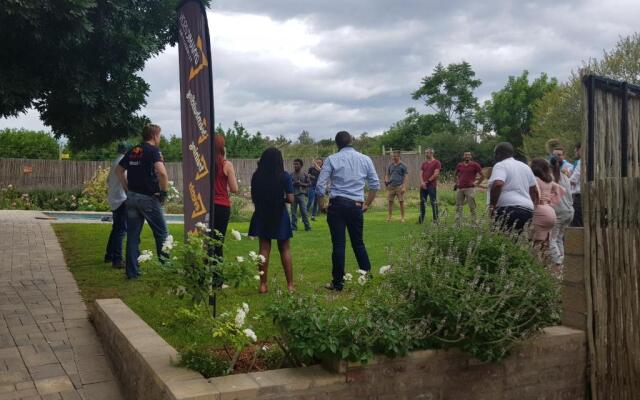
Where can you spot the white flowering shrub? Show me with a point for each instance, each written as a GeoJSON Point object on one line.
{"type": "Point", "coordinates": [194, 271]}
{"type": "Point", "coordinates": [469, 288]}
{"type": "Point", "coordinates": [234, 332]}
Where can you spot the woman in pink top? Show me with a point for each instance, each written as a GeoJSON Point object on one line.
{"type": "Point", "coordinates": [544, 216]}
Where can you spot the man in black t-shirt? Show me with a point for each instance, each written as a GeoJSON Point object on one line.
{"type": "Point", "coordinates": [146, 184]}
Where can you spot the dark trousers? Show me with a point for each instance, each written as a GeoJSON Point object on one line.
{"type": "Point", "coordinates": [118, 232]}
{"type": "Point", "coordinates": [312, 202]}
{"type": "Point", "coordinates": [513, 219]}
{"type": "Point", "coordinates": [577, 210]}
{"type": "Point", "coordinates": [221, 216]}
{"type": "Point", "coordinates": [299, 202]}
{"type": "Point", "coordinates": [140, 208]}
{"type": "Point", "coordinates": [344, 213]}
{"type": "Point", "coordinates": [432, 193]}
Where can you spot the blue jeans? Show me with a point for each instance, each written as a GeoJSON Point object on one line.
{"type": "Point", "coordinates": [312, 203]}
{"type": "Point", "coordinates": [141, 207]}
{"type": "Point", "coordinates": [118, 231]}
{"type": "Point", "coordinates": [432, 193]}
{"type": "Point", "coordinates": [299, 201]}
{"type": "Point", "coordinates": [344, 213]}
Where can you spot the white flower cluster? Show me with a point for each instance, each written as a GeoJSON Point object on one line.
{"type": "Point", "coordinates": [168, 244]}
{"type": "Point", "coordinates": [257, 257]}
{"type": "Point", "coordinates": [241, 315]}
{"type": "Point", "coordinates": [250, 334]}
{"type": "Point", "coordinates": [384, 269]}
{"type": "Point", "coordinates": [236, 235]}
{"type": "Point", "coordinates": [362, 279]}
{"type": "Point", "coordinates": [240, 259]}
{"type": "Point", "coordinates": [145, 256]}
{"type": "Point", "coordinates": [202, 227]}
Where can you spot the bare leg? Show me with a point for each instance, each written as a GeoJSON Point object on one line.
{"type": "Point", "coordinates": [285, 257]}
{"type": "Point", "coordinates": [265, 250]}
{"type": "Point", "coordinates": [402, 211]}
{"type": "Point", "coordinates": [390, 208]}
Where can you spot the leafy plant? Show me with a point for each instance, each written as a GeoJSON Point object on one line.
{"type": "Point", "coordinates": [94, 193]}
{"type": "Point", "coordinates": [209, 365]}
{"type": "Point", "coordinates": [471, 288]}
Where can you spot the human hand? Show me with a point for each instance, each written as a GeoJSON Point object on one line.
{"type": "Point", "coordinates": [365, 207]}
{"type": "Point", "coordinates": [424, 185]}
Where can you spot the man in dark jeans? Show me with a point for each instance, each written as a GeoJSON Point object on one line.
{"type": "Point", "coordinates": [146, 184]}
{"type": "Point", "coordinates": [347, 171]}
{"type": "Point", "coordinates": [301, 183]}
{"type": "Point", "coordinates": [429, 187]}
{"type": "Point", "coordinates": [116, 196]}
{"type": "Point", "coordinates": [513, 190]}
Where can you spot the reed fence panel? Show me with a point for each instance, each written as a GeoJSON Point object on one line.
{"type": "Point", "coordinates": [611, 209]}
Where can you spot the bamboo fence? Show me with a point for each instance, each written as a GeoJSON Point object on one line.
{"type": "Point", "coordinates": [611, 204]}
{"type": "Point", "coordinates": [69, 175]}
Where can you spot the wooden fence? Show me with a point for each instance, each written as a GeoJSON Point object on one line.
{"type": "Point", "coordinates": [611, 204]}
{"type": "Point", "coordinates": [67, 175]}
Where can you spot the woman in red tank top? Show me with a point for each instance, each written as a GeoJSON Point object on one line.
{"type": "Point", "coordinates": [224, 181]}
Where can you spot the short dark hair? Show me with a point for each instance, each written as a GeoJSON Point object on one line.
{"type": "Point", "coordinates": [578, 145]}
{"type": "Point", "coordinates": [343, 139]}
{"type": "Point", "coordinates": [297, 160]}
{"type": "Point", "coordinates": [503, 150]}
{"type": "Point", "coordinates": [149, 131]}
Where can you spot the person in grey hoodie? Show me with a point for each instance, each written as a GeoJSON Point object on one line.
{"type": "Point", "coordinates": [564, 216]}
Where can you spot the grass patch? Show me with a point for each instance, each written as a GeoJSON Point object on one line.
{"type": "Point", "coordinates": [84, 246]}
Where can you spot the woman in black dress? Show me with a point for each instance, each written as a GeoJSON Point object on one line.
{"type": "Point", "coordinates": [271, 189]}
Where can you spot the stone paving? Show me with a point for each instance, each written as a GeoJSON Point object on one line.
{"type": "Point", "coordinates": [48, 347]}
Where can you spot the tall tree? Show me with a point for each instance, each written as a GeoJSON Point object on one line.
{"type": "Point", "coordinates": [448, 91]}
{"type": "Point", "coordinates": [305, 138]}
{"type": "Point", "coordinates": [77, 63]}
{"type": "Point", "coordinates": [559, 113]}
{"type": "Point", "coordinates": [240, 143]}
{"type": "Point", "coordinates": [509, 113]}
{"type": "Point", "coordinates": [28, 144]}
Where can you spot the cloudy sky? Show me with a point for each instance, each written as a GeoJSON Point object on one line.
{"type": "Point", "coordinates": [281, 66]}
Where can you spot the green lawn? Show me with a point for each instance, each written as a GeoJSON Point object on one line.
{"type": "Point", "coordinates": [84, 244]}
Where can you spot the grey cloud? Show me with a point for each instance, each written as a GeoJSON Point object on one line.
{"type": "Point", "coordinates": [376, 52]}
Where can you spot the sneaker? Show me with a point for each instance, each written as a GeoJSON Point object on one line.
{"type": "Point", "coordinates": [313, 218]}
{"type": "Point", "coordinates": [329, 286]}
{"type": "Point", "coordinates": [307, 228]}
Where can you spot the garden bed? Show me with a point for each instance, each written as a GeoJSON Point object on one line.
{"type": "Point", "coordinates": [551, 366]}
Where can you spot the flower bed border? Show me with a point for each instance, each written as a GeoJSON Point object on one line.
{"type": "Point", "coordinates": [553, 365]}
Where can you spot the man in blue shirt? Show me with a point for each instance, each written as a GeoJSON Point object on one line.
{"type": "Point", "coordinates": [347, 171]}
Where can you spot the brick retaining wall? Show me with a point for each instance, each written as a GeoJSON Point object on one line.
{"type": "Point", "coordinates": [550, 366]}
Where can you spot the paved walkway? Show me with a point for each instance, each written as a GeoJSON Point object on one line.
{"type": "Point", "coordinates": [48, 347]}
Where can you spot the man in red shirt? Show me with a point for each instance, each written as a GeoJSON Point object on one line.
{"type": "Point", "coordinates": [430, 171]}
{"type": "Point", "coordinates": [466, 173]}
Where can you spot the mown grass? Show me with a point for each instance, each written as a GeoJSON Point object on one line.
{"type": "Point", "coordinates": [84, 244]}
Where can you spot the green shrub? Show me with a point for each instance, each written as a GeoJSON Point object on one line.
{"type": "Point", "coordinates": [209, 365]}
{"type": "Point", "coordinates": [56, 200]}
{"type": "Point", "coordinates": [470, 288]}
{"type": "Point", "coordinates": [94, 193]}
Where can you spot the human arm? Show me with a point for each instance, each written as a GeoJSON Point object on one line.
{"type": "Point", "coordinates": [288, 188]}
{"type": "Point", "coordinates": [121, 174]}
{"type": "Point", "coordinates": [435, 175]}
{"type": "Point", "coordinates": [321, 184]}
{"type": "Point", "coordinates": [534, 194]}
{"type": "Point", "coordinates": [494, 194]}
{"type": "Point", "coordinates": [373, 183]}
{"type": "Point", "coordinates": [230, 172]}
{"type": "Point", "coordinates": [163, 177]}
